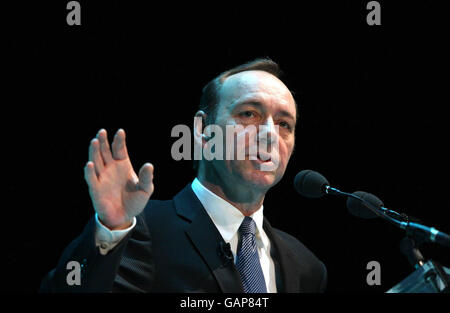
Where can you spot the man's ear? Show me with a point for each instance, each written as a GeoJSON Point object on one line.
{"type": "Point", "coordinates": [199, 125]}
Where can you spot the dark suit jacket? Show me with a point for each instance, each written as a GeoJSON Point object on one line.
{"type": "Point", "coordinates": [175, 247]}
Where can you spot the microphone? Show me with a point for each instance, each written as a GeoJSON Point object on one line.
{"type": "Point", "coordinates": [226, 253]}
{"type": "Point", "coordinates": [311, 184]}
{"type": "Point", "coordinates": [359, 208]}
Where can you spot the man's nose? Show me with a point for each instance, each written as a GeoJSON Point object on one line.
{"type": "Point", "coordinates": [268, 131]}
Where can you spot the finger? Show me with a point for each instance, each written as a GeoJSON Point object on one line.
{"type": "Point", "coordinates": [146, 178]}
{"type": "Point", "coordinates": [94, 156]}
{"type": "Point", "coordinates": [105, 150]}
{"type": "Point", "coordinates": [119, 148]}
{"type": "Point", "coordinates": [89, 174]}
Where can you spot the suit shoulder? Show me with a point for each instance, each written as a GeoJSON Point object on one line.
{"type": "Point", "coordinates": [153, 205]}
{"type": "Point", "coordinates": [159, 208]}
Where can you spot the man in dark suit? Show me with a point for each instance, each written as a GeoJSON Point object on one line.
{"type": "Point", "coordinates": [212, 236]}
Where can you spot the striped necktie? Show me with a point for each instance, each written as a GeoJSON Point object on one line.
{"type": "Point", "coordinates": [247, 261]}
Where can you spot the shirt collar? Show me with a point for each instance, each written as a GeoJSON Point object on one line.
{"type": "Point", "coordinates": [224, 215]}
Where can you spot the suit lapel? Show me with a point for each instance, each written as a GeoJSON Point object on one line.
{"type": "Point", "coordinates": [289, 266]}
{"type": "Point", "coordinates": [207, 240]}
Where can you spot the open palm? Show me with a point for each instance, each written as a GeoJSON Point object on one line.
{"type": "Point", "coordinates": [117, 193]}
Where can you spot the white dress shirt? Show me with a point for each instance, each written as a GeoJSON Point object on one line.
{"type": "Point", "coordinates": [227, 220]}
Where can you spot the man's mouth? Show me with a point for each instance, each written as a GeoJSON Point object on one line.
{"type": "Point", "coordinates": [264, 157]}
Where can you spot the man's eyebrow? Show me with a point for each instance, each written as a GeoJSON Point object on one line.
{"type": "Point", "coordinates": [287, 114]}
{"type": "Point", "coordinates": [253, 102]}
{"type": "Point", "coordinates": [258, 104]}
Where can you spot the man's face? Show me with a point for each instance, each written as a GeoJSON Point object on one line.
{"type": "Point", "coordinates": [260, 99]}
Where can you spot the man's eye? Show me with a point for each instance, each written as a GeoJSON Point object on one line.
{"type": "Point", "coordinates": [285, 125]}
{"type": "Point", "coordinates": [247, 114]}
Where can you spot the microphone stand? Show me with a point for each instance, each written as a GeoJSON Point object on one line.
{"type": "Point", "coordinates": [415, 230]}
{"type": "Point", "coordinates": [410, 249]}
{"type": "Point", "coordinates": [428, 277]}
{"type": "Point", "coordinates": [380, 212]}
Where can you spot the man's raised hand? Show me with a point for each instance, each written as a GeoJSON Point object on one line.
{"type": "Point", "coordinates": [117, 193]}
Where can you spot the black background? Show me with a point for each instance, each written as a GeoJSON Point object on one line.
{"type": "Point", "coordinates": [372, 105]}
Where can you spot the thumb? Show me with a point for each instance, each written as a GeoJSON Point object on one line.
{"type": "Point", "coordinates": [146, 178]}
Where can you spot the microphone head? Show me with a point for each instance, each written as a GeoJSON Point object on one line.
{"type": "Point", "coordinates": [310, 184]}
{"type": "Point", "coordinates": [359, 208]}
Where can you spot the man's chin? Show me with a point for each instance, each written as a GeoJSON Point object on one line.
{"type": "Point", "coordinates": [262, 179]}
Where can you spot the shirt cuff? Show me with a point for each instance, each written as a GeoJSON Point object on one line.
{"type": "Point", "coordinates": [107, 239]}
